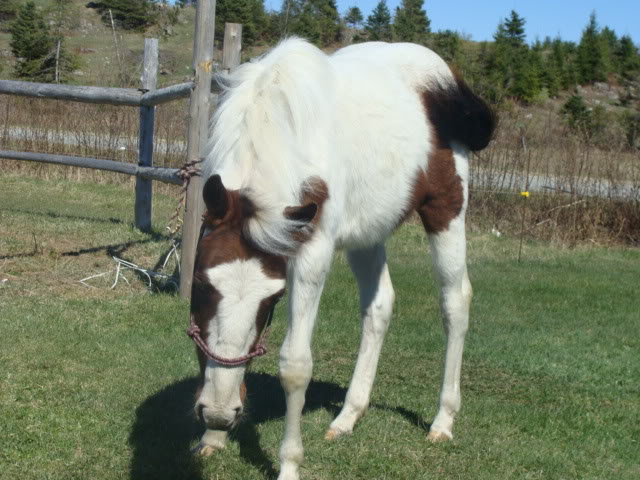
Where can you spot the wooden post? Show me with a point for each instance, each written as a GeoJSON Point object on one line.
{"type": "Point", "coordinates": [144, 187]}
{"type": "Point", "coordinates": [197, 136]}
{"type": "Point", "coordinates": [232, 46]}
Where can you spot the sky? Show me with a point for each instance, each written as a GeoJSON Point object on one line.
{"type": "Point", "coordinates": [480, 18]}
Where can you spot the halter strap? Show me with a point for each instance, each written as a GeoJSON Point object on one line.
{"type": "Point", "coordinates": [260, 349]}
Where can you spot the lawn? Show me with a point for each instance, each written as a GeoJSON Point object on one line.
{"type": "Point", "coordinates": [97, 383]}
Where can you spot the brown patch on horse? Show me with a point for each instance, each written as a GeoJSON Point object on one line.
{"type": "Point", "coordinates": [454, 114]}
{"type": "Point", "coordinates": [438, 194]}
{"type": "Point", "coordinates": [314, 194]}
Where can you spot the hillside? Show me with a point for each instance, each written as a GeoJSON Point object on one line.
{"type": "Point", "coordinates": [100, 62]}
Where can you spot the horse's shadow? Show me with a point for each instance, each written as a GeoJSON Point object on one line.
{"type": "Point", "coordinates": [165, 427]}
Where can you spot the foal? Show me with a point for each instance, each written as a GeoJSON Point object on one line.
{"type": "Point", "coordinates": [316, 153]}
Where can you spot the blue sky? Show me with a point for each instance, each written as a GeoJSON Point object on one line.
{"type": "Point", "coordinates": [479, 18]}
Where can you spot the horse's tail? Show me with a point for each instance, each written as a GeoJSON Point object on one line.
{"type": "Point", "coordinates": [458, 114]}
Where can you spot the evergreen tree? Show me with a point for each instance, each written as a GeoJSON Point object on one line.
{"type": "Point", "coordinates": [8, 9]}
{"type": "Point", "coordinates": [591, 54]}
{"type": "Point", "coordinates": [627, 57]}
{"type": "Point", "coordinates": [353, 17]}
{"type": "Point", "coordinates": [511, 31]}
{"type": "Point", "coordinates": [127, 14]}
{"type": "Point", "coordinates": [411, 23]}
{"type": "Point", "coordinates": [250, 13]}
{"type": "Point", "coordinates": [447, 44]}
{"type": "Point", "coordinates": [32, 45]}
{"type": "Point", "coordinates": [315, 20]}
{"type": "Point", "coordinates": [514, 69]}
{"type": "Point", "coordinates": [378, 24]}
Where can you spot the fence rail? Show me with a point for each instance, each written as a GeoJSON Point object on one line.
{"type": "Point", "coordinates": [161, 174]}
{"type": "Point", "coordinates": [130, 97]}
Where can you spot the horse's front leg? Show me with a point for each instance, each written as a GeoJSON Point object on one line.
{"type": "Point", "coordinates": [307, 273]}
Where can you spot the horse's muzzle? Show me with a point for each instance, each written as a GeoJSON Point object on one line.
{"type": "Point", "coordinates": [218, 419]}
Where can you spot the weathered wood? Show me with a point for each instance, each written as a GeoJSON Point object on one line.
{"type": "Point", "coordinates": [232, 46]}
{"type": "Point", "coordinates": [166, 175]}
{"type": "Point", "coordinates": [167, 94]}
{"type": "Point", "coordinates": [144, 187]}
{"type": "Point", "coordinates": [198, 132]}
{"type": "Point", "coordinates": [101, 95]}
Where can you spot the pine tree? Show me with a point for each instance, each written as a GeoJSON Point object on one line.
{"type": "Point", "coordinates": [127, 14]}
{"type": "Point", "coordinates": [315, 20]}
{"type": "Point", "coordinates": [514, 68]}
{"type": "Point", "coordinates": [511, 31]}
{"type": "Point", "coordinates": [591, 54]}
{"type": "Point", "coordinates": [378, 24]}
{"type": "Point", "coordinates": [353, 17]}
{"type": "Point", "coordinates": [250, 13]}
{"type": "Point", "coordinates": [447, 44]}
{"type": "Point", "coordinates": [32, 45]}
{"type": "Point", "coordinates": [627, 57]}
{"type": "Point", "coordinates": [8, 9]}
{"type": "Point", "coordinates": [411, 23]}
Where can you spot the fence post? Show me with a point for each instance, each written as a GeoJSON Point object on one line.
{"type": "Point", "coordinates": [198, 131]}
{"type": "Point", "coordinates": [232, 46]}
{"type": "Point", "coordinates": [144, 187]}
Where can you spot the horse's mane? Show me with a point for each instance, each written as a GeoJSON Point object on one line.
{"type": "Point", "coordinates": [269, 133]}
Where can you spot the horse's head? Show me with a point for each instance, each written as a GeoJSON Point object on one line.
{"type": "Point", "coordinates": [235, 288]}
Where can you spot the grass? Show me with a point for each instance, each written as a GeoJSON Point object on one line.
{"type": "Point", "coordinates": [98, 383]}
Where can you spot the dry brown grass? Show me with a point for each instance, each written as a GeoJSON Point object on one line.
{"type": "Point", "coordinates": [97, 131]}
{"type": "Point", "coordinates": [578, 191]}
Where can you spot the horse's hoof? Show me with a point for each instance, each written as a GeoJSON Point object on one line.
{"type": "Point", "coordinates": [333, 433]}
{"type": "Point", "coordinates": [437, 437]}
{"type": "Point", "coordinates": [203, 450]}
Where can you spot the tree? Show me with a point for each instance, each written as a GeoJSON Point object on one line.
{"type": "Point", "coordinates": [591, 54]}
{"type": "Point", "coordinates": [40, 54]}
{"type": "Point", "coordinates": [447, 44]}
{"type": "Point", "coordinates": [353, 17]}
{"type": "Point", "coordinates": [514, 69]}
{"type": "Point", "coordinates": [127, 14]}
{"type": "Point", "coordinates": [315, 20]}
{"type": "Point", "coordinates": [627, 57]}
{"type": "Point", "coordinates": [511, 31]}
{"type": "Point", "coordinates": [378, 24]}
{"type": "Point", "coordinates": [411, 23]}
{"type": "Point", "coordinates": [32, 45]}
{"type": "Point", "coordinates": [250, 13]}
{"type": "Point", "coordinates": [8, 9]}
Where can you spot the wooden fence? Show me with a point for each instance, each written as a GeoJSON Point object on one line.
{"type": "Point", "coordinates": [147, 98]}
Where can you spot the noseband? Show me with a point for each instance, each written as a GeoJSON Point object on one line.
{"type": "Point", "coordinates": [260, 348]}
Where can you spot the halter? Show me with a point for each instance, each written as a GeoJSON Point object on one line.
{"type": "Point", "coordinates": [260, 349]}
{"type": "Point", "coordinates": [194, 330]}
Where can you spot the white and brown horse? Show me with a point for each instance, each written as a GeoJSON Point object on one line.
{"type": "Point", "coordinates": [317, 153]}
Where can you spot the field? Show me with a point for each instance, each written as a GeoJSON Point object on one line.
{"type": "Point", "coordinates": [98, 382]}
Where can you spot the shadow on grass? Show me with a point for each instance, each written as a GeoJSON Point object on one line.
{"type": "Point", "coordinates": [51, 214]}
{"type": "Point", "coordinates": [162, 434]}
{"type": "Point", "coordinates": [165, 428]}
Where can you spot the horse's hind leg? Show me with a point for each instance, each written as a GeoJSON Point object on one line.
{"type": "Point", "coordinates": [376, 303]}
{"type": "Point", "coordinates": [448, 249]}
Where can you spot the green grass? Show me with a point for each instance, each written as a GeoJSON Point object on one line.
{"type": "Point", "coordinates": [98, 383]}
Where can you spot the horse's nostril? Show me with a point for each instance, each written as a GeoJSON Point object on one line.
{"type": "Point", "coordinates": [199, 409]}
{"type": "Point", "coordinates": [238, 411]}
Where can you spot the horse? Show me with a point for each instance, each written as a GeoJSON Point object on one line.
{"type": "Point", "coordinates": [310, 153]}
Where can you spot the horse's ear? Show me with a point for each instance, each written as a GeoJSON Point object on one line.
{"type": "Point", "coordinates": [216, 197]}
{"type": "Point", "coordinates": [303, 214]}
